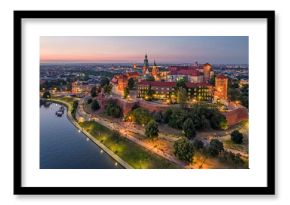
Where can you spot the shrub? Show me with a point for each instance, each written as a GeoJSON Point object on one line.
{"type": "Point", "coordinates": [215, 147]}
{"type": "Point", "coordinates": [237, 137]}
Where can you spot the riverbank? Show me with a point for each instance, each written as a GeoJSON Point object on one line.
{"type": "Point", "coordinates": [134, 155]}
{"type": "Point", "coordinates": [99, 144]}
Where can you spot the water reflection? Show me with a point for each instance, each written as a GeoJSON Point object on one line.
{"type": "Point", "coordinates": [63, 147]}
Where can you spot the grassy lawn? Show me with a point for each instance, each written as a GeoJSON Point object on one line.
{"type": "Point", "coordinates": [132, 153]}
{"type": "Point", "coordinates": [67, 100]}
{"type": "Point", "coordinates": [239, 147]}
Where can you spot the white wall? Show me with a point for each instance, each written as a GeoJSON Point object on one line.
{"type": "Point", "coordinates": [282, 99]}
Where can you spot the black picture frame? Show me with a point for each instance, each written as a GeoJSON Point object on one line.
{"type": "Point", "coordinates": [268, 190]}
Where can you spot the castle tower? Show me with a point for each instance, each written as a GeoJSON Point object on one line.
{"type": "Point", "coordinates": [221, 88]}
{"type": "Point", "coordinates": [155, 70]}
{"type": "Point", "coordinates": [145, 65]}
{"type": "Point", "coordinates": [206, 71]}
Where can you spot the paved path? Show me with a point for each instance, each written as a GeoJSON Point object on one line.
{"type": "Point", "coordinates": [125, 133]}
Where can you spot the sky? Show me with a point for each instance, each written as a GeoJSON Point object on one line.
{"type": "Point", "coordinates": [131, 49]}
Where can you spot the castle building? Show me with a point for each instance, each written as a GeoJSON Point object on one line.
{"type": "Point", "coordinates": [167, 90]}
{"type": "Point", "coordinates": [207, 69]}
{"type": "Point", "coordinates": [120, 82]}
{"type": "Point", "coordinates": [221, 88]}
{"type": "Point", "coordinates": [190, 75]}
{"type": "Point", "coordinates": [155, 71]}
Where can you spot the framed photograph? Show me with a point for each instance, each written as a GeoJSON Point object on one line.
{"type": "Point", "coordinates": [144, 102]}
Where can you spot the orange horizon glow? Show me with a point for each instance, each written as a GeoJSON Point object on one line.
{"type": "Point", "coordinates": [178, 49]}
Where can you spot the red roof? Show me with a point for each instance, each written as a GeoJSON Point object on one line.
{"type": "Point", "coordinates": [177, 68]}
{"type": "Point", "coordinates": [158, 83]}
{"type": "Point", "coordinates": [132, 74]}
{"type": "Point", "coordinates": [192, 72]}
{"type": "Point", "coordinates": [170, 84]}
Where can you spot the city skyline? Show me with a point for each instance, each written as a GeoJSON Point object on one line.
{"type": "Point", "coordinates": [131, 49]}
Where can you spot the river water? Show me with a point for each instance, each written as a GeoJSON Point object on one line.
{"type": "Point", "coordinates": [63, 147]}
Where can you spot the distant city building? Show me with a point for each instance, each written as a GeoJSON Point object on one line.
{"type": "Point", "coordinates": [221, 88]}
{"type": "Point", "coordinates": [79, 87]}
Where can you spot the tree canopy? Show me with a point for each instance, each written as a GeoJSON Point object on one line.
{"type": "Point", "coordinates": [95, 105]}
{"type": "Point", "coordinates": [237, 137]}
{"type": "Point", "coordinates": [215, 147]}
{"type": "Point", "coordinates": [189, 128]}
{"type": "Point", "coordinates": [182, 96]}
{"type": "Point", "coordinates": [131, 83]}
{"type": "Point", "coordinates": [104, 81]}
{"type": "Point", "coordinates": [184, 150]}
{"type": "Point", "coordinates": [46, 94]}
{"type": "Point", "coordinates": [126, 92]}
{"type": "Point", "coordinates": [94, 91]}
{"type": "Point", "coordinates": [139, 115]}
{"type": "Point", "coordinates": [151, 129]}
{"type": "Point", "coordinates": [113, 109]}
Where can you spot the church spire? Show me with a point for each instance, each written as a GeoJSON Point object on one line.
{"type": "Point", "coordinates": [146, 64]}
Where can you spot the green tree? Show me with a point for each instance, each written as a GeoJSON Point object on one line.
{"type": "Point", "coordinates": [94, 91]}
{"type": "Point", "coordinates": [95, 105]}
{"type": "Point", "coordinates": [189, 128]}
{"type": "Point", "coordinates": [126, 92]}
{"type": "Point", "coordinates": [140, 116]}
{"type": "Point", "coordinates": [131, 83]}
{"type": "Point", "coordinates": [151, 129]}
{"type": "Point", "coordinates": [198, 144]}
{"type": "Point", "coordinates": [68, 86]}
{"type": "Point", "coordinates": [234, 94]}
{"type": "Point", "coordinates": [158, 116]}
{"type": "Point", "coordinates": [89, 101]}
{"type": "Point", "coordinates": [212, 80]}
{"type": "Point", "coordinates": [108, 89]}
{"type": "Point", "coordinates": [150, 78]}
{"type": "Point", "coordinates": [182, 96]}
{"type": "Point", "coordinates": [46, 94]}
{"type": "Point", "coordinates": [237, 137]}
{"type": "Point", "coordinates": [184, 150]}
{"type": "Point", "coordinates": [113, 109]}
{"type": "Point", "coordinates": [104, 81]}
{"type": "Point", "coordinates": [181, 83]}
{"type": "Point", "coordinates": [217, 120]}
{"type": "Point", "coordinates": [167, 115]}
{"type": "Point", "coordinates": [149, 93]}
{"type": "Point", "coordinates": [74, 108]}
{"type": "Point", "coordinates": [215, 147]}
{"type": "Point", "coordinates": [177, 118]}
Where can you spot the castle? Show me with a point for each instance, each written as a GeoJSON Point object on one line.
{"type": "Point", "coordinates": [163, 83]}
